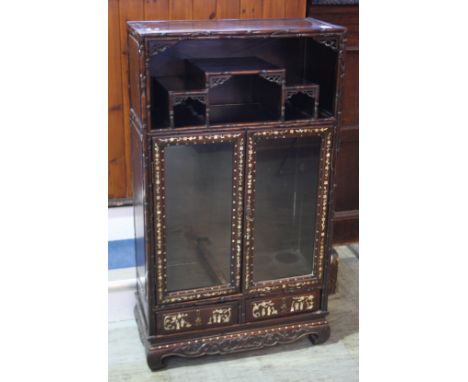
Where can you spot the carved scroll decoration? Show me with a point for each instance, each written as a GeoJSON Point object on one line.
{"type": "Point", "coordinates": [331, 42]}
{"type": "Point", "coordinates": [220, 316]}
{"type": "Point", "coordinates": [309, 93]}
{"type": "Point", "coordinates": [176, 321]}
{"type": "Point", "coordinates": [276, 78]}
{"type": "Point", "coordinates": [154, 49]}
{"type": "Point", "coordinates": [299, 304]}
{"type": "Point", "coordinates": [318, 332]}
{"type": "Point", "coordinates": [178, 100]}
{"type": "Point", "coordinates": [218, 80]}
{"type": "Point", "coordinates": [264, 309]}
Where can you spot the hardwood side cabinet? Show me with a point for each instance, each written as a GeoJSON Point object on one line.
{"type": "Point", "coordinates": [234, 127]}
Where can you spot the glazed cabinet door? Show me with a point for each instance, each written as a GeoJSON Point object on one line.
{"type": "Point", "coordinates": [287, 179]}
{"type": "Point", "coordinates": [198, 203]}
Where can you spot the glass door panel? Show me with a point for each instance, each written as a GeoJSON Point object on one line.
{"type": "Point", "coordinates": [285, 207]}
{"type": "Point", "coordinates": [287, 185]}
{"type": "Point", "coordinates": [198, 214]}
{"type": "Point", "coordinates": [202, 219]}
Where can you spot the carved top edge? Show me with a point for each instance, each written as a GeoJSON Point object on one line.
{"type": "Point", "coordinates": [226, 28]}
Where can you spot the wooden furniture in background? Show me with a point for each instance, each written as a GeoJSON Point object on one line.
{"type": "Point", "coordinates": [346, 220]}
{"type": "Point", "coordinates": [234, 129]}
{"type": "Point", "coordinates": [121, 11]}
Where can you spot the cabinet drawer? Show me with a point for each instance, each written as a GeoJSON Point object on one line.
{"type": "Point", "coordinates": [260, 309]}
{"type": "Point", "coordinates": [205, 317]}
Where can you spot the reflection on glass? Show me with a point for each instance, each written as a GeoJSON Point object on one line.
{"type": "Point", "coordinates": [286, 184]}
{"type": "Point", "coordinates": [198, 181]}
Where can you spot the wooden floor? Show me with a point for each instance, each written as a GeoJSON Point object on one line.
{"type": "Point", "coordinates": [336, 360]}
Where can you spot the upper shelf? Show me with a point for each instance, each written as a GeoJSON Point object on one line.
{"type": "Point", "coordinates": [238, 65]}
{"type": "Point", "coordinates": [228, 72]}
{"type": "Point", "coordinates": [256, 92]}
{"type": "Point", "coordinates": [210, 72]}
{"type": "Point", "coordinates": [230, 27]}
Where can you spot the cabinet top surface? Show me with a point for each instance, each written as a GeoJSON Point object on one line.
{"type": "Point", "coordinates": [231, 27]}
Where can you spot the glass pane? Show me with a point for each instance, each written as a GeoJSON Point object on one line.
{"type": "Point", "coordinates": [198, 181]}
{"type": "Point", "coordinates": [286, 183]}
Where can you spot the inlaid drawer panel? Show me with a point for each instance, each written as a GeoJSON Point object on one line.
{"type": "Point", "coordinates": [260, 309]}
{"type": "Point", "coordinates": [197, 318]}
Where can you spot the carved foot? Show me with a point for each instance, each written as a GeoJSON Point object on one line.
{"type": "Point", "coordinates": [155, 361]}
{"type": "Point", "coordinates": [320, 336]}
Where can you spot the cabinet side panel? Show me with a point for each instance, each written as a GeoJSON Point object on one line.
{"type": "Point", "coordinates": [134, 77]}
{"type": "Point", "coordinates": [139, 217]}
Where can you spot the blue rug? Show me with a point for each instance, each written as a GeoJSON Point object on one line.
{"type": "Point", "coordinates": [121, 254]}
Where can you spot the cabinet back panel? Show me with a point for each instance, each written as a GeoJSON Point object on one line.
{"type": "Point", "coordinates": [284, 52]}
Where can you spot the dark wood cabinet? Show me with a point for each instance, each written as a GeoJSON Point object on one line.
{"type": "Point", "coordinates": [234, 133]}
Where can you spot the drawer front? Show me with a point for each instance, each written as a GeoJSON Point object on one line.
{"type": "Point", "coordinates": [205, 317]}
{"type": "Point", "coordinates": [260, 309]}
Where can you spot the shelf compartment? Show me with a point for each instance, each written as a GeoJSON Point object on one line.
{"type": "Point", "coordinates": [211, 72]}
{"type": "Point", "coordinates": [177, 104]}
{"type": "Point", "coordinates": [301, 101]}
{"type": "Point", "coordinates": [188, 110]}
{"type": "Point", "coordinates": [240, 89]}
{"type": "Point", "coordinates": [240, 113]}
